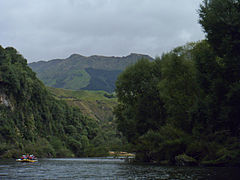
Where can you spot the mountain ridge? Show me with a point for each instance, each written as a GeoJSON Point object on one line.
{"type": "Point", "coordinates": [80, 57]}
{"type": "Point", "coordinates": [84, 72]}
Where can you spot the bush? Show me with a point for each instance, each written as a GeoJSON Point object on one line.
{"type": "Point", "coordinates": [200, 149]}
{"type": "Point", "coordinates": [99, 151]}
{"type": "Point", "coordinates": [163, 144]}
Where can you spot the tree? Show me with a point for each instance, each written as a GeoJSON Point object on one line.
{"type": "Point", "coordinates": [220, 21]}
{"type": "Point", "coordinates": [209, 76]}
{"type": "Point", "coordinates": [140, 108]}
{"type": "Point", "coordinates": [178, 88]}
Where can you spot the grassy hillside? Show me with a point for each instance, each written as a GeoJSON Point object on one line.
{"type": "Point", "coordinates": [96, 104]}
{"type": "Point", "coordinates": [99, 106]}
{"type": "Point", "coordinates": [79, 72]}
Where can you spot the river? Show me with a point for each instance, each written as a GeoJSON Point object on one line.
{"type": "Point", "coordinates": [107, 168]}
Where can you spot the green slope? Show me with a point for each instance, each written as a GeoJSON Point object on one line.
{"type": "Point", "coordinates": [98, 105]}
{"type": "Point", "coordinates": [95, 104]}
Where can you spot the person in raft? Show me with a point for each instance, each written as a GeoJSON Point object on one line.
{"type": "Point", "coordinates": [23, 157]}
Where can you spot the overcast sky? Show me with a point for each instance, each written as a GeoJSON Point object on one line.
{"type": "Point", "coordinates": [49, 29]}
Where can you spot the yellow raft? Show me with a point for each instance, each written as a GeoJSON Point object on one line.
{"type": "Point", "coordinates": [26, 160]}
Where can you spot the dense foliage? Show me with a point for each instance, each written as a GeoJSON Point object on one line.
{"type": "Point", "coordinates": [32, 120]}
{"type": "Point", "coordinates": [187, 103]}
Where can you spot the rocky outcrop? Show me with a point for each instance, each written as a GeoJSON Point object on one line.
{"type": "Point", "coordinates": [5, 101]}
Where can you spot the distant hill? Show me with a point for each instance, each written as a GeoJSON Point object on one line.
{"type": "Point", "coordinates": [79, 72]}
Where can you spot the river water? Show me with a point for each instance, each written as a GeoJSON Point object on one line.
{"type": "Point", "coordinates": [107, 168]}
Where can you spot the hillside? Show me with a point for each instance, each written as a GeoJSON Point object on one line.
{"type": "Point", "coordinates": [32, 120]}
{"type": "Point", "coordinates": [99, 106]}
{"type": "Point", "coordinates": [96, 104]}
{"type": "Point", "coordinates": [80, 72]}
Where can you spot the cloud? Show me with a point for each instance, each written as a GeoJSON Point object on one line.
{"type": "Point", "coordinates": [43, 30]}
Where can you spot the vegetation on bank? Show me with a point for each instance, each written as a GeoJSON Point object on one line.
{"type": "Point", "coordinates": [185, 106]}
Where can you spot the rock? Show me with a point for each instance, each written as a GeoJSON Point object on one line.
{"type": "Point", "coordinates": [5, 101]}
{"type": "Point", "coordinates": [185, 160]}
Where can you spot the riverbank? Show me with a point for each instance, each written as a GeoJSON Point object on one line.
{"type": "Point", "coordinates": [187, 161]}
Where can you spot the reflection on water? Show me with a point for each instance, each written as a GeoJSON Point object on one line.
{"type": "Point", "coordinates": [106, 168]}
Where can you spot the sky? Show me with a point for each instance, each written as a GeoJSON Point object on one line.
{"type": "Point", "coordinates": [51, 29]}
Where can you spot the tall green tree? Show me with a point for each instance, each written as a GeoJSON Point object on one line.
{"type": "Point", "coordinates": [220, 21]}
{"type": "Point", "coordinates": [207, 109]}
{"type": "Point", "coordinates": [140, 107]}
{"type": "Point", "coordinates": [178, 87]}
